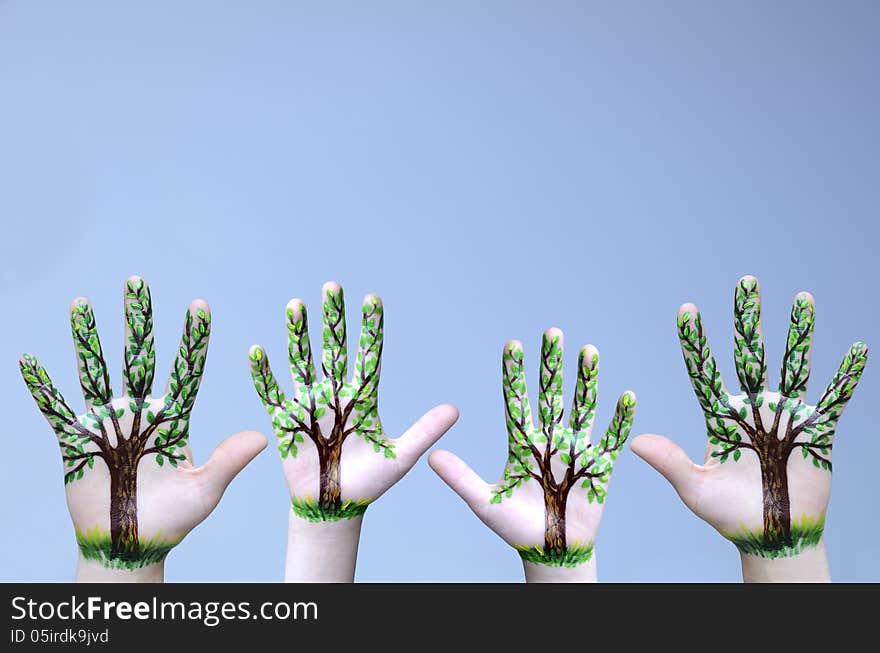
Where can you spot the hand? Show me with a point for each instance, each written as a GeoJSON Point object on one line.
{"type": "Point", "coordinates": [550, 499]}
{"type": "Point", "coordinates": [132, 490]}
{"type": "Point", "coordinates": [337, 458]}
{"type": "Point", "coordinates": [766, 480]}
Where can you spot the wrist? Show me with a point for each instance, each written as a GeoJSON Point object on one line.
{"type": "Point", "coordinates": [322, 551]}
{"type": "Point", "coordinates": [92, 571]}
{"type": "Point", "coordinates": [809, 566]}
{"type": "Point", "coordinates": [540, 573]}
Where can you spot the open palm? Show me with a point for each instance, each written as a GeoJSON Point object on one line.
{"type": "Point", "coordinates": [549, 501]}
{"type": "Point", "coordinates": [766, 480]}
{"type": "Point", "coordinates": [132, 490]}
{"type": "Point", "coordinates": [336, 456]}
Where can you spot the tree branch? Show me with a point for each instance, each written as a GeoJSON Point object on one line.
{"type": "Point", "coordinates": [520, 426]}
{"type": "Point", "coordinates": [80, 456]}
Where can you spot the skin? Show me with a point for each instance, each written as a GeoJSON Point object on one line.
{"type": "Point", "coordinates": [168, 496]}
{"type": "Point", "coordinates": [336, 456]}
{"type": "Point", "coordinates": [549, 501]}
{"type": "Point", "coordinates": [762, 510]}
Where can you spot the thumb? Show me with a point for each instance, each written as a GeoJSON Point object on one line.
{"type": "Point", "coordinates": [671, 461]}
{"type": "Point", "coordinates": [228, 459]}
{"type": "Point", "coordinates": [464, 481]}
{"type": "Point", "coordinates": [422, 435]}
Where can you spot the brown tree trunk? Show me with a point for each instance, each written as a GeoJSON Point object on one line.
{"type": "Point", "coordinates": [554, 521]}
{"type": "Point", "coordinates": [331, 483]}
{"type": "Point", "coordinates": [777, 511]}
{"type": "Point", "coordinates": [124, 542]}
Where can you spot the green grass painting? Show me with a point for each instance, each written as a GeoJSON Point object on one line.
{"type": "Point", "coordinates": [571, 556]}
{"type": "Point", "coordinates": [313, 511]}
{"type": "Point", "coordinates": [95, 545]}
{"type": "Point", "coordinates": [805, 533]}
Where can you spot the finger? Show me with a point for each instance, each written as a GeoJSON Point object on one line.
{"type": "Point", "coordinates": [464, 481]}
{"type": "Point", "coordinates": [369, 358]}
{"type": "Point", "coordinates": [299, 348]}
{"type": "Point", "coordinates": [671, 461]}
{"type": "Point", "coordinates": [422, 435]}
{"type": "Point", "coordinates": [334, 362]}
{"type": "Point", "coordinates": [701, 366]}
{"type": "Point", "coordinates": [49, 400]}
{"type": "Point", "coordinates": [139, 356]}
{"type": "Point", "coordinates": [620, 426]}
{"type": "Point", "coordinates": [189, 364]}
{"type": "Point", "coordinates": [264, 381]}
{"type": "Point", "coordinates": [584, 407]}
{"type": "Point", "coordinates": [796, 360]}
{"type": "Point", "coordinates": [72, 434]}
{"type": "Point", "coordinates": [550, 390]}
{"type": "Point", "coordinates": [751, 367]}
{"type": "Point", "coordinates": [93, 376]}
{"type": "Point", "coordinates": [228, 459]}
{"type": "Point", "coordinates": [841, 389]}
{"type": "Point", "coordinates": [517, 412]}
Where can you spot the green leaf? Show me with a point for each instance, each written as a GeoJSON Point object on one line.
{"type": "Point", "coordinates": [565, 458]}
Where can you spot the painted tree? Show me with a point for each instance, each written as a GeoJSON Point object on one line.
{"type": "Point", "coordinates": [120, 433]}
{"type": "Point", "coordinates": [772, 426]}
{"type": "Point", "coordinates": [558, 458]}
{"type": "Point", "coordinates": [327, 413]}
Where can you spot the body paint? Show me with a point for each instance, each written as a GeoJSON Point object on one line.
{"type": "Point", "coordinates": [771, 426]}
{"type": "Point", "coordinates": [557, 458]}
{"type": "Point", "coordinates": [119, 433]}
{"type": "Point", "coordinates": [327, 414]}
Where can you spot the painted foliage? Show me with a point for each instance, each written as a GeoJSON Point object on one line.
{"type": "Point", "coordinates": [325, 414]}
{"type": "Point", "coordinates": [559, 459]}
{"type": "Point", "coordinates": [123, 433]}
{"type": "Point", "coordinates": [770, 426]}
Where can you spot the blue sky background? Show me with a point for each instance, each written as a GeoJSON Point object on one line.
{"type": "Point", "coordinates": [491, 169]}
